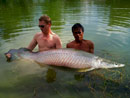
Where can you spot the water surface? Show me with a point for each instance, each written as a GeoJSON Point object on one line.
{"type": "Point", "coordinates": [106, 23]}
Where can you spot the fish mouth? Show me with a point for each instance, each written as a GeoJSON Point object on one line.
{"type": "Point", "coordinates": [121, 65]}
{"type": "Point", "coordinates": [8, 56]}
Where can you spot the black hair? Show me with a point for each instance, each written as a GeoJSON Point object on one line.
{"type": "Point", "coordinates": [77, 25]}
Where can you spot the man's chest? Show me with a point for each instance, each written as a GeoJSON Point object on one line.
{"type": "Point", "coordinates": [82, 46]}
{"type": "Point", "coordinates": [45, 42]}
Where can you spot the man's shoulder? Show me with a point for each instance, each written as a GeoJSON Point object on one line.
{"type": "Point", "coordinates": [55, 36]}
{"type": "Point", "coordinates": [38, 33]}
{"type": "Point", "coordinates": [70, 43]}
{"type": "Point", "coordinates": [88, 41]}
{"type": "Point", "coordinates": [56, 40]}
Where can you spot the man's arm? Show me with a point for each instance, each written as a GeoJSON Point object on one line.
{"type": "Point", "coordinates": [58, 43]}
{"type": "Point", "coordinates": [32, 44]}
{"type": "Point", "coordinates": [68, 45]}
{"type": "Point", "coordinates": [92, 48]}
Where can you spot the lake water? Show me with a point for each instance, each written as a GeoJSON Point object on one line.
{"type": "Point", "coordinates": [106, 23]}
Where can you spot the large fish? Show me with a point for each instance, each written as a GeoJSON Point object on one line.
{"type": "Point", "coordinates": [63, 57]}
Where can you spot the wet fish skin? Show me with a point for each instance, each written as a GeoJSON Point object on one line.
{"type": "Point", "coordinates": [66, 57]}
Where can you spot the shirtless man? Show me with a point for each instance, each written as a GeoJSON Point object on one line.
{"type": "Point", "coordinates": [79, 43]}
{"type": "Point", "coordinates": [45, 39]}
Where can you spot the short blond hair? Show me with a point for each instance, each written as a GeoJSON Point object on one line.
{"type": "Point", "coordinates": [45, 18]}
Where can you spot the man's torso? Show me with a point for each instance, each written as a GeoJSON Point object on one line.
{"type": "Point", "coordinates": [85, 45]}
{"type": "Point", "coordinates": [46, 43]}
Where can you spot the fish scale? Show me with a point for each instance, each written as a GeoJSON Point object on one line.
{"type": "Point", "coordinates": [61, 58]}
{"type": "Point", "coordinates": [66, 57]}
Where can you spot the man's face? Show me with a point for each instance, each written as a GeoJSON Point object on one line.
{"type": "Point", "coordinates": [44, 27]}
{"type": "Point", "coordinates": [78, 34]}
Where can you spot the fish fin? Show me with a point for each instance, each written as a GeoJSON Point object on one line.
{"type": "Point", "coordinates": [86, 69]}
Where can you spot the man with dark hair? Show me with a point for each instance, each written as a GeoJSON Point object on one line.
{"type": "Point", "coordinates": [79, 43]}
{"type": "Point", "coordinates": [45, 39]}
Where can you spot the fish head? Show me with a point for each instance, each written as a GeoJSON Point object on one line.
{"type": "Point", "coordinates": [114, 65]}
{"type": "Point", "coordinates": [119, 65]}
{"type": "Point", "coordinates": [13, 54]}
